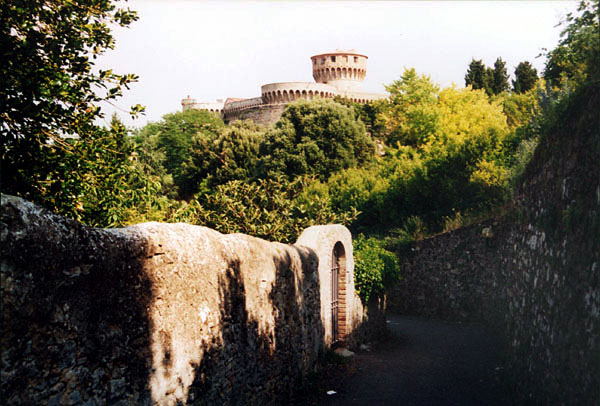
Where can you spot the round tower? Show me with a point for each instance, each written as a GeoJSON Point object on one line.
{"type": "Point", "coordinates": [187, 103]}
{"type": "Point", "coordinates": [343, 69]}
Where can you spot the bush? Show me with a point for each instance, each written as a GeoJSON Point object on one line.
{"type": "Point", "coordinates": [232, 155]}
{"type": "Point", "coordinates": [375, 268]}
{"type": "Point", "coordinates": [315, 137]}
{"type": "Point", "coordinates": [273, 209]}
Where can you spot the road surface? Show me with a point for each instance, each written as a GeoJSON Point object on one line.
{"type": "Point", "coordinates": [425, 362]}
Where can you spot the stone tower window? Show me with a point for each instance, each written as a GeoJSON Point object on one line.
{"type": "Point", "coordinates": [355, 59]}
{"type": "Point", "coordinates": [322, 61]}
{"type": "Point", "coordinates": [345, 58]}
{"type": "Point", "coordinates": [333, 59]}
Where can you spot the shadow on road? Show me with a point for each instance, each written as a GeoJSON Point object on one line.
{"type": "Point", "coordinates": [425, 362]}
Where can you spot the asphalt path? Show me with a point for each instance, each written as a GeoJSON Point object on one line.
{"type": "Point", "coordinates": [424, 362]}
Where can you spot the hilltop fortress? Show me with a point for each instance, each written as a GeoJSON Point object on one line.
{"type": "Point", "coordinates": [339, 73]}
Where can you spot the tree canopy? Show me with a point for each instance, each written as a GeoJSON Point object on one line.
{"type": "Point", "coordinates": [577, 56]}
{"type": "Point", "coordinates": [231, 155]}
{"type": "Point", "coordinates": [50, 90]}
{"type": "Point", "coordinates": [500, 77]}
{"type": "Point", "coordinates": [409, 117]}
{"type": "Point", "coordinates": [176, 137]}
{"type": "Point", "coordinates": [492, 80]}
{"type": "Point", "coordinates": [525, 77]}
{"type": "Point", "coordinates": [314, 137]}
{"type": "Point", "coordinates": [479, 76]}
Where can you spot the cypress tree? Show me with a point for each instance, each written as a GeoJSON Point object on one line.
{"type": "Point", "coordinates": [525, 77]}
{"type": "Point", "coordinates": [500, 77]}
{"type": "Point", "coordinates": [476, 75]}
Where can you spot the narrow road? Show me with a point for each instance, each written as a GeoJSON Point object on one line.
{"type": "Point", "coordinates": [426, 362]}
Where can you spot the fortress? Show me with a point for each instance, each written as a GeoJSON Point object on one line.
{"type": "Point", "coordinates": [339, 73]}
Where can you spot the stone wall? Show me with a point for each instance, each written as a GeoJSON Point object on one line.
{"type": "Point", "coordinates": [534, 274]}
{"type": "Point", "coordinates": [159, 313]}
{"type": "Point", "coordinates": [265, 114]}
{"type": "Point", "coordinates": [448, 276]}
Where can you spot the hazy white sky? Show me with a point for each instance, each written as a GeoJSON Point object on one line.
{"type": "Point", "coordinates": [220, 49]}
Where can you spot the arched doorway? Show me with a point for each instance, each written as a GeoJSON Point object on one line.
{"type": "Point", "coordinates": [338, 293]}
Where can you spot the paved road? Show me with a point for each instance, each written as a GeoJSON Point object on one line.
{"type": "Point", "coordinates": [425, 362]}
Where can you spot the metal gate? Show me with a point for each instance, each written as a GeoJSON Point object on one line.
{"type": "Point", "coordinates": [335, 270]}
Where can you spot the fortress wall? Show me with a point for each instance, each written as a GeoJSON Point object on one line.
{"type": "Point", "coordinates": [286, 92]}
{"type": "Point", "coordinates": [338, 73]}
{"type": "Point", "coordinates": [188, 104]}
{"type": "Point", "coordinates": [161, 313]}
{"type": "Point", "coordinates": [277, 98]}
{"type": "Point", "coordinates": [362, 97]}
{"type": "Point", "coordinates": [534, 274]}
{"type": "Point", "coordinates": [265, 114]}
{"type": "Point", "coordinates": [242, 104]}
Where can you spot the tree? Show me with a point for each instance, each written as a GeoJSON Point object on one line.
{"type": "Point", "coordinates": [114, 188]}
{"type": "Point", "coordinates": [520, 108]}
{"type": "Point", "coordinates": [463, 169]}
{"type": "Point", "coordinates": [233, 155]}
{"type": "Point", "coordinates": [577, 56]}
{"type": "Point", "coordinates": [50, 90]}
{"type": "Point", "coordinates": [410, 116]}
{"type": "Point", "coordinates": [479, 76]}
{"type": "Point", "coordinates": [525, 77]}
{"type": "Point", "coordinates": [369, 113]}
{"type": "Point", "coordinates": [500, 75]}
{"type": "Point", "coordinates": [457, 166]}
{"type": "Point", "coordinates": [361, 188]}
{"type": "Point", "coordinates": [176, 135]}
{"type": "Point", "coordinates": [314, 137]}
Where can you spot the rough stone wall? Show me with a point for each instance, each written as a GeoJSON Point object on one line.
{"type": "Point", "coordinates": [266, 114]}
{"type": "Point", "coordinates": [534, 274]}
{"type": "Point", "coordinates": [154, 313]}
{"type": "Point", "coordinates": [449, 275]}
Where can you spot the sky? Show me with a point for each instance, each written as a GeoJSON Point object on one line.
{"type": "Point", "coordinates": [217, 49]}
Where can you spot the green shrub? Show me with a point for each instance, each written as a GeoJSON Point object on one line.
{"type": "Point", "coordinates": [317, 137]}
{"type": "Point", "coordinates": [375, 268]}
{"type": "Point", "coordinates": [273, 209]}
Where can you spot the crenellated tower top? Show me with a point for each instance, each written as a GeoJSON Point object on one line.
{"type": "Point", "coordinates": [343, 69]}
